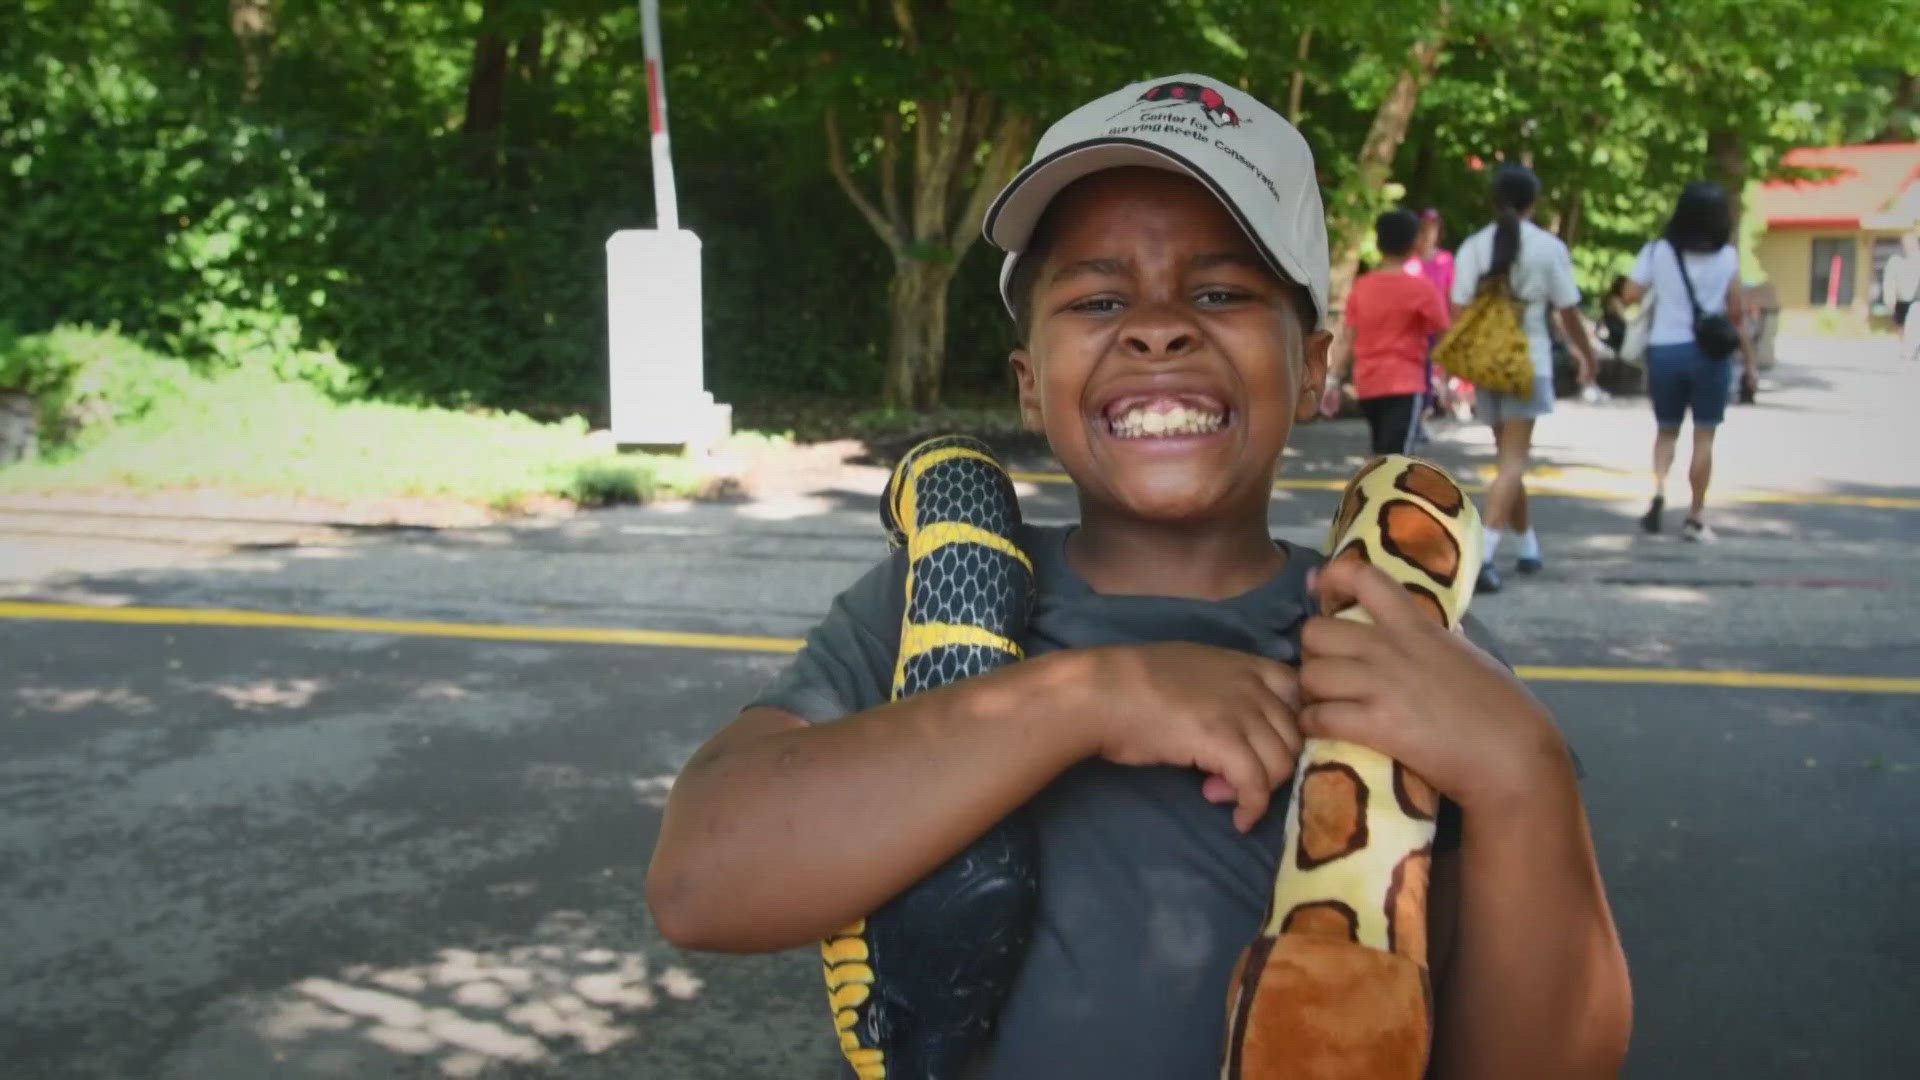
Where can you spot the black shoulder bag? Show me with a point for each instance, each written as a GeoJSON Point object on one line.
{"type": "Point", "coordinates": [1713, 332]}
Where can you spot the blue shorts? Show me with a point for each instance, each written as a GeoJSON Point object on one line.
{"type": "Point", "coordinates": [1680, 377]}
{"type": "Point", "coordinates": [1494, 408]}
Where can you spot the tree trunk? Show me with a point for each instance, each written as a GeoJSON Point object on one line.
{"type": "Point", "coordinates": [917, 333]}
{"type": "Point", "coordinates": [487, 79]}
{"type": "Point", "coordinates": [930, 230]}
{"type": "Point", "coordinates": [193, 39]}
{"type": "Point", "coordinates": [252, 22]}
{"type": "Point", "coordinates": [1420, 184]}
{"type": "Point", "coordinates": [1299, 77]}
{"type": "Point", "coordinates": [1727, 164]}
{"type": "Point", "coordinates": [1383, 140]}
{"type": "Point", "coordinates": [1906, 99]}
{"type": "Point", "coordinates": [528, 59]}
{"type": "Point", "coordinates": [1569, 230]}
{"type": "Point", "coordinates": [529, 103]}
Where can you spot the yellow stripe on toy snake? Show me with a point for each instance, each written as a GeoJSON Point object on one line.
{"type": "Point", "coordinates": [920, 637]}
{"type": "Point", "coordinates": [959, 532]}
{"type": "Point", "coordinates": [916, 985]}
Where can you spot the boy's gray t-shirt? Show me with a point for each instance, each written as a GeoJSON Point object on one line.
{"type": "Point", "coordinates": [1147, 892]}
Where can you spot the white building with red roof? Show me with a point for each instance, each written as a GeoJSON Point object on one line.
{"type": "Point", "coordinates": [1831, 231]}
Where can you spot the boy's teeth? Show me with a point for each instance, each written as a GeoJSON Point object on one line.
{"type": "Point", "coordinates": [1179, 420]}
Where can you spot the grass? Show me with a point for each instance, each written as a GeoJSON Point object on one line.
{"type": "Point", "coordinates": [254, 433]}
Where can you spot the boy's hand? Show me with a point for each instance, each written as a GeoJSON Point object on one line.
{"type": "Point", "coordinates": [1227, 713]}
{"type": "Point", "coordinates": [1421, 694]}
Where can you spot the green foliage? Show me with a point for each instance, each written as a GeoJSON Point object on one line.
{"type": "Point", "coordinates": [251, 432]}
{"type": "Point", "coordinates": [609, 483]}
{"type": "Point", "coordinates": [341, 214]}
{"type": "Point", "coordinates": [83, 380]}
{"type": "Point", "coordinates": [357, 204]}
{"type": "Point", "coordinates": [1616, 103]}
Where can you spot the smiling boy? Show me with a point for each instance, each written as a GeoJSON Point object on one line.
{"type": "Point", "coordinates": [1167, 275]}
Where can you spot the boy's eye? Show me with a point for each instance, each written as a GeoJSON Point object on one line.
{"type": "Point", "coordinates": [1096, 305]}
{"type": "Point", "coordinates": [1219, 297]}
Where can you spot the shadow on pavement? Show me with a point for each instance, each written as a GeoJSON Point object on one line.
{"type": "Point", "coordinates": [231, 856]}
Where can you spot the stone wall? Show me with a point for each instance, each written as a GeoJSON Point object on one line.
{"type": "Point", "coordinates": [19, 428]}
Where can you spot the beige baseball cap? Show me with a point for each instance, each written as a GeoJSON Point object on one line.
{"type": "Point", "coordinates": [1257, 163]}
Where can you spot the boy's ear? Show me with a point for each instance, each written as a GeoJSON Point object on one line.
{"type": "Point", "coordinates": [1313, 375]}
{"type": "Point", "coordinates": [1026, 375]}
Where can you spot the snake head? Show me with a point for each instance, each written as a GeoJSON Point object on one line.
{"type": "Point", "coordinates": [899, 496]}
{"type": "Point", "coordinates": [1415, 522]}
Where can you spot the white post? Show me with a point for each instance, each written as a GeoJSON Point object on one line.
{"type": "Point", "coordinates": [666, 207]}
{"type": "Point", "coordinates": [654, 348]}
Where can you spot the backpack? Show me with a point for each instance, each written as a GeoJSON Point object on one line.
{"type": "Point", "coordinates": [1486, 346]}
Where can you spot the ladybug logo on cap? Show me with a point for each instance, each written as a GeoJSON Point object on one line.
{"type": "Point", "coordinates": [1175, 94]}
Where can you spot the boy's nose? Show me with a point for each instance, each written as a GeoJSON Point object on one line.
{"type": "Point", "coordinates": [1158, 331]}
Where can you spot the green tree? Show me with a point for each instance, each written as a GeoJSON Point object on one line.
{"type": "Point", "coordinates": [965, 143]}
{"type": "Point", "coordinates": [425, 187]}
{"type": "Point", "coordinates": [927, 107]}
{"type": "Point", "coordinates": [1617, 103]}
{"type": "Point", "coordinates": [1373, 164]}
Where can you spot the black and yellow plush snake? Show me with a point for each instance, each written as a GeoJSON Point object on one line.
{"type": "Point", "coordinates": [916, 985]}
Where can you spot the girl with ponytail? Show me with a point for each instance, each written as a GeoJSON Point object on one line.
{"type": "Point", "coordinates": [1538, 271]}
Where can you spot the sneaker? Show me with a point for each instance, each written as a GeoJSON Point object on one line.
{"type": "Point", "coordinates": [1529, 566]}
{"type": "Point", "coordinates": [1489, 581]}
{"type": "Point", "coordinates": [1698, 531]}
{"type": "Point", "coordinates": [1650, 521]}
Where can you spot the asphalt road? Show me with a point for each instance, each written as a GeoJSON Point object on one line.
{"type": "Point", "coordinates": [238, 852]}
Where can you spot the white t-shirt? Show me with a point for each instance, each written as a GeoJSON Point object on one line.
{"type": "Point", "coordinates": [1901, 279]}
{"type": "Point", "coordinates": [1658, 272]}
{"type": "Point", "coordinates": [1542, 275]}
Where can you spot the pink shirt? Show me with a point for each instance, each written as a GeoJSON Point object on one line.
{"type": "Point", "coordinates": [1437, 269]}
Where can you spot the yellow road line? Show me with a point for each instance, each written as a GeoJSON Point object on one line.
{"type": "Point", "coordinates": [225, 617]}
{"type": "Point", "coordinates": [675, 639]}
{"type": "Point", "coordinates": [1741, 680]}
{"type": "Point", "coordinates": [1548, 488]}
{"type": "Point", "coordinates": [1876, 502]}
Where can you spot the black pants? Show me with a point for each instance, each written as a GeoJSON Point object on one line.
{"type": "Point", "coordinates": [1390, 421]}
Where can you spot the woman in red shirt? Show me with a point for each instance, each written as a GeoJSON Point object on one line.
{"type": "Point", "coordinates": [1390, 319]}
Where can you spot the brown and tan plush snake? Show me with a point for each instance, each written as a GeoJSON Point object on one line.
{"type": "Point", "coordinates": [1336, 987]}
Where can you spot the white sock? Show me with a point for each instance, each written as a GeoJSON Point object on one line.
{"type": "Point", "coordinates": [1529, 545]}
{"type": "Point", "coordinates": [1489, 543]}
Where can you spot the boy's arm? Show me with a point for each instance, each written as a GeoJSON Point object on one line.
{"type": "Point", "coordinates": [780, 832]}
{"type": "Point", "coordinates": [843, 816]}
{"type": "Point", "coordinates": [1530, 978]}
